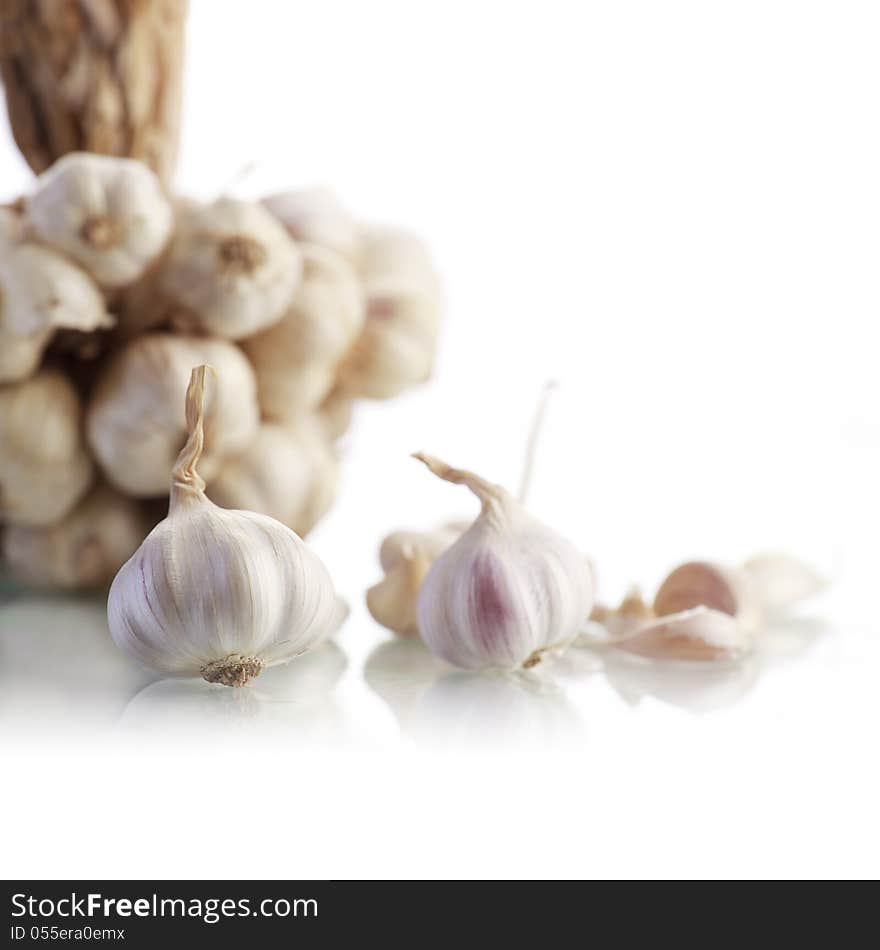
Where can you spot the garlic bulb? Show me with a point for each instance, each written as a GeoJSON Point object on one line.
{"type": "Point", "coordinates": [703, 584]}
{"type": "Point", "coordinates": [44, 466]}
{"type": "Point", "coordinates": [335, 413]}
{"type": "Point", "coordinates": [508, 590]}
{"type": "Point", "coordinates": [315, 216]}
{"type": "Point", "coordinates": [296, 359]}
{"type": "Point", "coordinates": [389, 252]}
{"type": "Point", "coordinates": [84, 549]}
{"type": "Point", "coordinates": [108, 214]}
{"type": "Point", "coordinates": [136, 423]}
{"type": "Point", "coordinates": [287, 472]}
{"type": "Point", "coordinates": [406, 557]}
{"type": "Point", "coordinates": [215, 593]}
{"type": "Point", "coordinates": [231, 268]}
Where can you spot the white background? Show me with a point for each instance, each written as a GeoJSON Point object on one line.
{"type": "Point", "coordinates": [673, 209]}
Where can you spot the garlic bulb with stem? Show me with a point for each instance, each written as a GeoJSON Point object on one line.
{"type": "Point", "coordinates": [296, 359]}
{"type": "Point", "coordinates": [315, 216]}
{"type": "Point", "coordinates": [109, 214]}
{"type": "Point", "coordinates": [507, 591]}
{"type": "Point", "coordinates": [288, 472]}
{"type": "Point", "coordinates": [216, 593]}
{"type": "Point", "coordinates": [135, 420]}
{"type": "Point", "coordinates": [84, 549]}
{"type": "Point", "coordinates": [231, 269]}
{"type": "Point", "coordinates": [45, 467]}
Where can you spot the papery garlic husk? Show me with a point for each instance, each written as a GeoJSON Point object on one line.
{"type": "Point", "coordinates": [216, 593]}
{"type": "Point", "coordinates": [231, 269]}
{"type": "Point", "coordinates": [704, 584]}
{"type": "Point", "coordinates": [396, 348]}
{"type": "Point", "coordinates": [83, 550]}
{"type": "Point", "coordinates": [699, 634]}
{"type": "Point", "coordinates": [109, 214]}
{"type": "Point", "coordinates": [507, 591]}
{"type": "Point", "coordinates": [315, 216]}
{"type": "Point", "coordinates": [406, 557]}
{"type": "Point", "coordinates": [296, 359]}
{"type": "Point", "coordinates": [45, 467]}
{"type": "Point", "coordinates": [135, 420]}
{"type": "Point", "coordinates": [287, 472]}
{"type": "Point", "coordinates": [780, 581]}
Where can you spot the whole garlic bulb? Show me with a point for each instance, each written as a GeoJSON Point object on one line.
{"type": "Point", "coordinates": [231, 268]}
{"type": "Point", "coordinates": [406, 557]}
{"type": "Point", "coordinates": [136, 423]}
{"type": "Point", "coordinates": [83, 550]}
{"type": "Point", "coordinates": [296, 359]}
{"type": "Point", "coordinates": [287, 472]}
{"type": "Point", "coordinates": [315, 216]}
{"type": "Point", "coordinates": [508, 590]}
{"type": "Point", "coordinates": [215, 593]}
{"type": "Point", "coordinates": [108, 214]}
{"type": "Point", "coordinates": [335, 413]}
{"type": "Point", "coordinates": [44, 465]}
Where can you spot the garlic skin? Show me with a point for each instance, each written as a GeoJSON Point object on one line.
{"type": "Point", "coordinates": [287, 472]}
{"type": "Point", "coordinates": [406, 557]}
{"type": "Point", "coordinates": [296, 359]}
{"type": "Point", "coordinates": [215, 593]}
{"type": "Point", "coordinates": [507, 591]}
{"type": "Point", "coordinates": [109, 214]}
{"type": "Point", "coordinates": [136, 423]}
{"type": "Point", "coordinates": [698, 634]}
{"type": "Point", "coordinates": [315, 216]}
{"type": "Point", "coordinates": [231, 269]}
{"type": "Point", "coordinates": [704, 584]}
{"type": "Point", "coordinates": [83, 550]}
{"type": "Point", "coordinates": [44, 466]}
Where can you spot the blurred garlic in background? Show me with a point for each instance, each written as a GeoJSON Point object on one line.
{"type": "Point", "coordinates": [109, 214]}
{"type": "Point", "coordinates": [315, 216]}
{"type": "Point", "coordinates": [135, 420]}
{"type": "Point", "coordinates": [45, 467]}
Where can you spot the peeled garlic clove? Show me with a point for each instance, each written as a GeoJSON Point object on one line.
{"type": "Point", "coordinates": [135, 420]}
{"type": "Point", "coordinates": [44, 466]}
{"type": "Point", "coordinates": [780, 580]}
{"type": "Point", "coordinates": [508, 590]}
{"type": "Point", "coordinates": [232, 267]}
{"type": "Point", "coordinates": [215, 593]}
{"type": "Point", "coordinates": [696, 634]}
{"type": "Point", "coordinates": [315, 216]}
{"type": "Point", "coordinates": [701, 583]}
{"type": "Point", "coordinates": [296, 359]}
{"type": "Point", "coordinates": [83, 550]}
{"type": "Point", "coordinates": [287, 472]}
{"type": "Point", "coordinates": [108, 214]}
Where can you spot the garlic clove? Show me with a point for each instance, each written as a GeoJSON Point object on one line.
{"type": "Point", "coordinates": [215, 593]}
{"type": "Point", "coordinates": [780, 580]}
{"type": "Point", "coordinates": [109, 214]}
{"type": "Point", "coordinates": [315, 216]}
{"type": "Point", "coordinates": [83, 550]}
{"type": "Point", "coordinates": [232, 267]}
{"type": "Point", "coordinates": [392, 602]}
{"type": "Point", "coordinates": [296, 359]}
{"type": "Point", "coordinates": [632, 613]}
{"type": "Point", "coordinates": [700, 633]}
{"type": "Point", "coordinates": [44, 466]}
{"type": "Point", "coordinates": [507, 591]}
{"type": "Point", "coordinates": [135, 420]}
{"type": "Point", "coordinates": [702, 583]}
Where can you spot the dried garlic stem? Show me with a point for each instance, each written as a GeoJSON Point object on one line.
{"type": "Point", "coordinates": [185, 478]}
{"type": "Point", "coordinates": [491, 496]}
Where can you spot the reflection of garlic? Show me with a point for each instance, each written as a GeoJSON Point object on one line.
{"type": "Point", "coordinates": [296, 359]}
{"type": "Point", "coordinates": [286, 472]}
{"type": "Point", "coordinates": [221, 594]}
{"type": "Point", "coordinates": [231, 268]}
{"type": "Point", "coordinates": [109, 214]}
{"type": "Point", "coordinates": [405, 557]}
{"type": "Point", "coordinates": [508, 590]}
{"type": "Point", "coordinates": [315, 216]}
{"type": "Point", "coordinates": [703, 584]}
{"type": "Point", "coordinates": [44, 466]}
{"type": "Point", "coordinates": [135, 419]}
{"type": "Point", "coordinates": [83, 550]}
